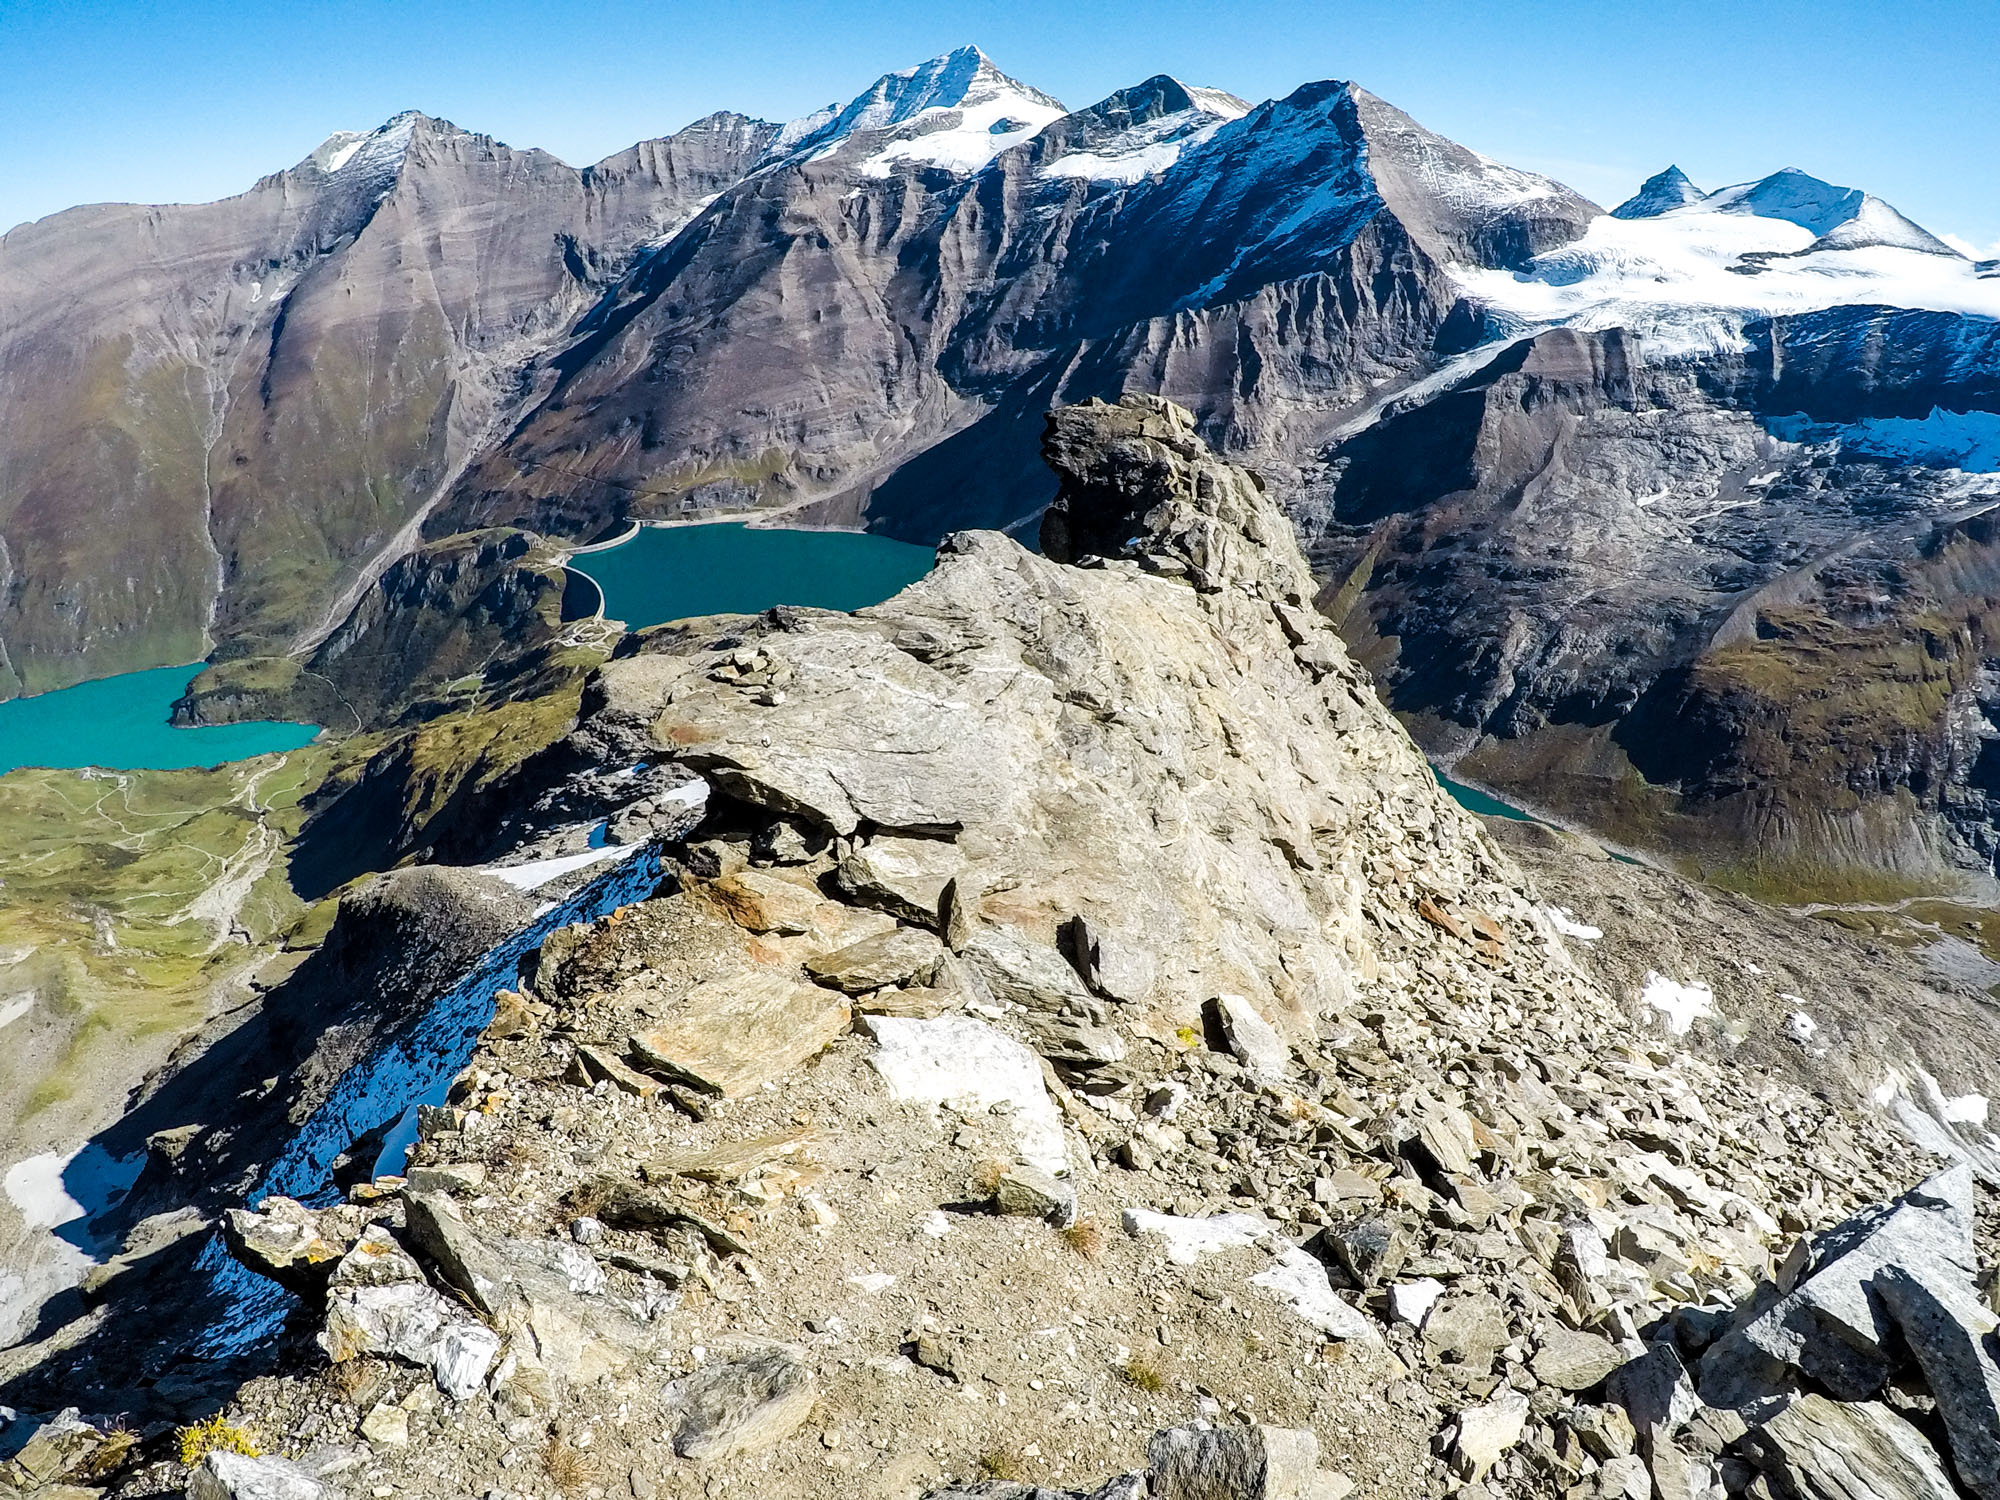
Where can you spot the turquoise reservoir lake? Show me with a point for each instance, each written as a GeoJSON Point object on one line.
{"type": "Point", "coordinates": [1484, 803]}
{"type": "Point", "coordinates": [677, 572]}
{"type": "Point", "coordinates": [120, 723]}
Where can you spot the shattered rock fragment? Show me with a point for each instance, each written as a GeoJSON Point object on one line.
{"type": "Point", "coordinates": [733, 1034]}
{"type": "Point", "coordinates": [235, 1476]}
{"type": "Point", "coordinates": [903, 955]}
{"type": "Point", "coordinates": [1251, 1039]}
{"type": "Point", "coordinates": [1834, 1450]}
{"type": "Point", "coordinates": [1236, 1463]}
{"type": "Point", "coordinates": [1573, 1361]}
{"type": "Point", "coordinates": [1036, 1195]}
{"type": "Point", "coordinates": [1486, 1432]}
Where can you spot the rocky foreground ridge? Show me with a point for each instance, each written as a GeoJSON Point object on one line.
{"type": "Point", "coordinates": [1070, 1045]}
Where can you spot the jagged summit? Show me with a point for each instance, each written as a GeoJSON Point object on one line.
{"type": "Point", "coordinates": [367, 150]}
{"type": "Point", "coordinates": [1658, 194]}
{"type": "Point", "coordinates": [1136, 132]}
{"type": "Point", "coordinates": [964, 80]}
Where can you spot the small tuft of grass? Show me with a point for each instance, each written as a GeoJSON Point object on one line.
{"type": "Point", "coordinates": [1141, 1372]}
{"type": "Point", "coordinates": [1002, 1463]}
{"type": "Point", "coordinates": [1084, 1237]}
{"type": "Point", "coordinates": [351, 1378]}
{"type": "Point", "coordinates": [569, 1469]}
{"type": "Point", "coordinates": [215, 1435]}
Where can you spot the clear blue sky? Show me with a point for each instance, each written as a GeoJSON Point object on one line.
{"type": "Point", "coordinates": [179, 100]}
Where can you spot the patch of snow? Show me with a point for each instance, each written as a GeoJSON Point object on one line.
{"type": "Point", "coordinates": [966, 139]}
{"type": "Point", "coordinates": [967, 1066]}
{"type": "Point", "coordinates": [35, 1187]}
{"type": "Point", "coordinates": [1188, 1240]}
{"type": "Point", "coordinates": [1678, 1003]}
{"type": "Point", "coordinates": [340, 155]}
{"type": "Point", "coordinates": [1564, 921]}
{"type": "Point", "coordinates": [1458, 368]}
{"type": "Point", "coordinates": [1800, 1027]}
{"type": "Point", "coordinates": [15, 1007]}
{"type": "Point", "coordinates": [1937, 1123]}
{"type": "Point", "coordinates": [539, 872]}
{"type": "Point", "coordinates": [936, 1224]}
{"type": "Point", "coordinates": [372, 153]}
{"type": "Point", "coordinates": [669, 231]}
{"type": "Point", "coordinates": [1301, 1280]}
{"type": "Point", "coordinates": [1961, 1109]}
{"type": "Point", "coordinates": [1966, 1109]}
{"type": "Point", "coordinates": [1148, 149]}
{"type": "Point", "coordinates": [803, 128]}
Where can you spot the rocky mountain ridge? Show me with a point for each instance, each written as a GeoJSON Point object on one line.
{"type": "Point", "coordinates": [1048, 1025]}
{"type": "Point", "coordinates": [1599, 496]}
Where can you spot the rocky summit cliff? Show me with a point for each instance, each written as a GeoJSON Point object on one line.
{"type": "Point", "coordinates": [1045, 1035]}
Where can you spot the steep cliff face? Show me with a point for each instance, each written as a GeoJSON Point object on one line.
{"type": "Point", "coordinates": [251, 401]}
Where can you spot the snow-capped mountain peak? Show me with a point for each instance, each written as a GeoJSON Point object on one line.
{"type": "Point", "coordinates": [1686, 277]}
{"type": "Point", "coordinates": [1875, 222]}
{"type": "Point", "coordinates": [1658, 194]}
{"type": "Point", "coordinates": [1840, 218]}
{"type": "Point", "coordinates": [367, 153]}
{"type": "Point", "coordinates": [957, 111]}
{"type": "Point", "coordinates": [1792, 195]}
{"type": "Point", "coordinates": [1137, 132]}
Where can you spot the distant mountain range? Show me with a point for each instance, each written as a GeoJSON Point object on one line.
{"type": "Point", "coordinates": [1674, 517]}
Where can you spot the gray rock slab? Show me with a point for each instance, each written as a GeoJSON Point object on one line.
{"type": "Point", "coordinates": [1017, 970]}
{"type": "Point", "coordinates": [1951, 1333]}
{"type": "Point", "coordinates": [1655, 1389]}
{"type": "Point", "coordinates": [905, 955]}
{"type": "Point", "coordinates": [1833, 1450]}
{"type": "Point", "coordinates": [1033, 1194]}
{"type": "Point", "coordinates": [740, 1405]}
{"type": "Point", "coordinates": [901, 875]}
{"type": "Point", "coordinates": [235, 1476]}
{"type": "Point", "coordinates": [1573, 1361]}
{"type": "Point", "coordinates": [1234, 1463]}
{"type": "Point", "coordinates": [731, 1035]}
{"type": "Point", "coordinates": [1830, 1328]}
